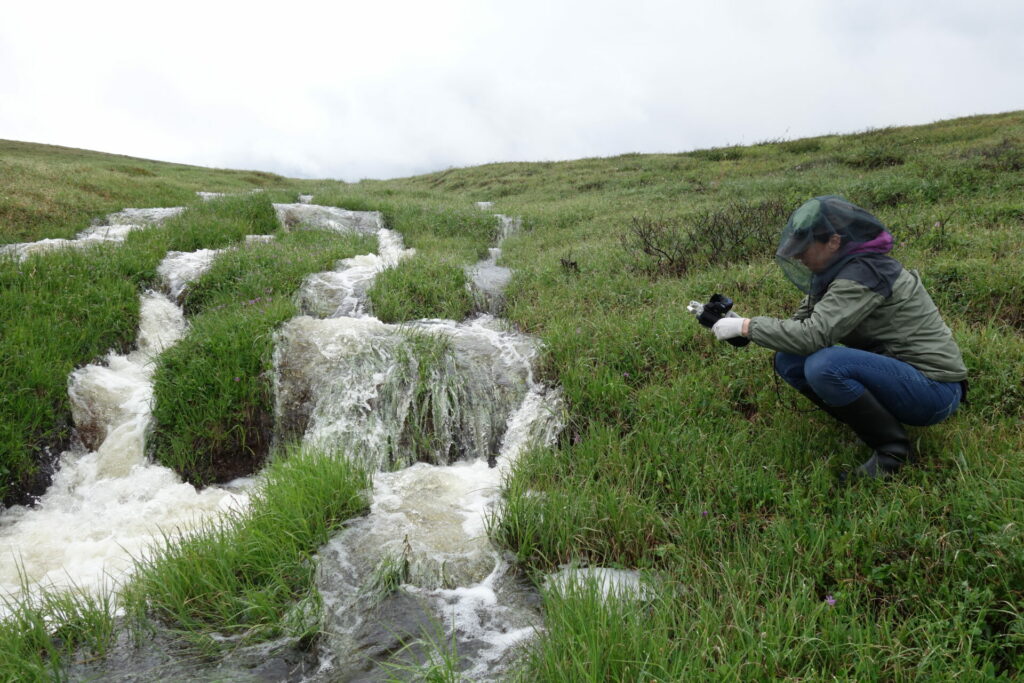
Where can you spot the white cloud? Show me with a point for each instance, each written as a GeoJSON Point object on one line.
{"type": "Point", "coordinates": [396, 87]}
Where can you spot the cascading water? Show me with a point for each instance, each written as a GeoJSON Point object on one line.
{"type": "Point", "coordinates": [487, 280]}
{"type": "Point", "coordinates": [107, 503]}
{"type": "Point", "coordinates": [452, 403]}
{"type": "Point", "coordinates": [460, 398]}
{"type": "Point", "coordinates": [116, 228]}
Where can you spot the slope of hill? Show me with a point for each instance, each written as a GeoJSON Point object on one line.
{"type": "Point", "coordinates": [682, 457]}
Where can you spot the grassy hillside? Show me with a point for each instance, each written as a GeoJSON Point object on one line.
{"type": "Point", "coordinates": [683, 457]}
{"type": "Point", "coordinates": [49, 191]}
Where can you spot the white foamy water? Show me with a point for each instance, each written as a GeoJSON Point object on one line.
{"type": "Point", "coordinates": [363, 387]}
{"type": "Point", "coordinates": [116, 228]}
{"type": "Point", "coordinates": [459, 395]}
{"type": "Point", "coordinates": [182, 267]}
{"type": "Point", "coordinates": [107, 503]}
{"type": "Point", "coordinates": [618, 584]}
{"type": "Point", "coordinates": [296, 216]}
{"type": "Point", "coordinates": [342, 291]}
{"type": "Point", "coordinates": [432, 521]}
{"type": "Point", "coordinates": [346, 382]}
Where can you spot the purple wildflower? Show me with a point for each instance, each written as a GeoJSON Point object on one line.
{"type": "Point", "coordinates": [830, 601]}
{"type": "Point", "coordinates": [238, 379]}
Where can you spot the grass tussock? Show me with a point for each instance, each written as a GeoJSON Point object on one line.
{"type": "Point", "coordinates": [63, 309]}
{"type": "Point", "coordinates": [213, 390]}
{"type": "Point", "coordinates": [421, 288]}
{"type": "Point", "coordinates": [251, 575]}
{"type": "Point", "coordinates": [38, 637]}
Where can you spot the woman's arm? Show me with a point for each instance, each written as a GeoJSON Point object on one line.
{"type": "Point", "coordinates": [845, 305]}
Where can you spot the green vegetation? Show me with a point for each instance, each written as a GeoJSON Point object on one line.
{"type": "Point", "coordinates": [63, 309]}
{"type": "Point", "coordinates": [421, 288]}
{"type": "Point", "coordinates": [252, 574]}
{"type": "Point", "coordinates": [51, 191]}
{"type": "Point", "coordinates": [682, 457]}
{"type": "Point", "coordinates": [447, 234]}
{"type": "Point", "coordinates": [214, 407]}
{"type": "Point", "coordinates": [37, 636]}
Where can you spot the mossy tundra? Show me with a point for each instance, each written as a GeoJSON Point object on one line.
{"type": "Point", "coordinates": [682, 457]}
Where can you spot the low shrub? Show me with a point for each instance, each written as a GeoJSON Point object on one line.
{"type": "Point", "coordinates": [738, 233]}
{"type": "Point", "coordinates": [718, 154]}
{"type": "Point", "coordinates": [874, 157]}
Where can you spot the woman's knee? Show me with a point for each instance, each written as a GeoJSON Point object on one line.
{"type": "Point", "coordinates": [790, 368]}
{"type": "Point", "coordinates": [820, 365]}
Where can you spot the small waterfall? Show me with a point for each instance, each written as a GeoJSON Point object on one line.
{"type": "Point", "coordinates": [487, 280]}
{"type": "Point", "coordinates": [342, 291]}
{"type": "Point", "coordinates": [179, 268]}
{"type": "Point", "coordinates": [107, 503]}
{"type": "Point", "coordinates": [459, 398]}
{"type": "Point", "coordinates": [441, 409]}
{"type": "Point", "coordinates": [426, 531]}
{"type": "Point", "coordinates": [359, 385]}
{"type": "Point", "coordinates": [294, 216]}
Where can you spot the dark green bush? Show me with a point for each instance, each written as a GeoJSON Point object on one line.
{"type": "Point", "coordinates": [738, 233]}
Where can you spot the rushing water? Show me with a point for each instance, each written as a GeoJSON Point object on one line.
{"type": "Point", "coordinates": [440, 409]}
{"type": "Point", "coordinates": [107, 502]}
{"type": "Point", "coordinates": [115, 229]}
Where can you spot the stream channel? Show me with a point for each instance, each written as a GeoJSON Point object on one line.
{"type": "Point", "coordinates": [344, 381]}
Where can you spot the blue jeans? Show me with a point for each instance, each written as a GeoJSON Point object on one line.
{"type": "Point", "coordinates": [839, 375]}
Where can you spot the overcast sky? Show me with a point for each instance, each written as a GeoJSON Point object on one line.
{"type": "Point", "coordinates": [390, 88]}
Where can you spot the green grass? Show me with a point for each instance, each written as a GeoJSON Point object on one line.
{"type": "Point", "coordinates": [447, 234]}
{"type": "Point", "coordinates": [213, 390]}
{"type": "Point", "coordinates": [666, 424]}
{"type": "Point", "coordinates": [38, 636]}
{"type": "Point", "coordinates": [63, 309]}
{"type": "Point", "coordinates": [421, 288]}
{"type": "Point", "coordinates": [51, 191]}
{"type": "Point", "coordinates": [252, 574]}
{"type": "Point", "coordinates": [682, 456]}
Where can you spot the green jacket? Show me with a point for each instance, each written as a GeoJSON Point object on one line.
{"type": "Point", "coordinates": [906, 325]}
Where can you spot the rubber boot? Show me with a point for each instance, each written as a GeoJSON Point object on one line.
{"type": "Point", "coordinates": [882, 432]}
{"type": "Point", "coordinates": [816, 400]}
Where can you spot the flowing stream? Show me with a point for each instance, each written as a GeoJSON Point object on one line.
{"type": "Point", "coordinates": [107, 503]}
{"type": "Point", "coordinates": [439, 409]}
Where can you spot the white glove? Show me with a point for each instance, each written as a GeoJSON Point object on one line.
{"type": "Point", "coordinates": [727, 328]}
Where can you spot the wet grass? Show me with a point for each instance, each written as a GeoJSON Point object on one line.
{"type": "Point", "coordinates": [247, 577]}
{"type": "Point", "coordinates": [421, 287]}
{"type": "Point", "coordinates": [39, 635]}
{"type": "Point", "coordinates": [63, 309]}
{"type": "Point", "coordinates": [683, 459]}
{"type": "Point", "coordinates": [250, 576]}
{"type": "Point", "coordinates": [213, 390]}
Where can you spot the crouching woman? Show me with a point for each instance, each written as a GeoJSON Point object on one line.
{"type": "Point", "coordinates": [897, 363]}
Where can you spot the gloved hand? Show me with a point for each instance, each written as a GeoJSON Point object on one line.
{"type": "Point", "coordinates": [728, 327]}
